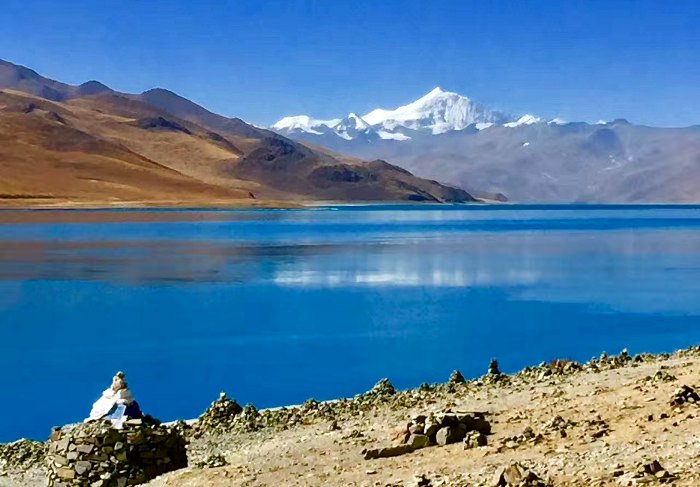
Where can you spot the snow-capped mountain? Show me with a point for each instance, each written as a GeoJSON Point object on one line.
{"type": "Point", "coordinates": [438, 112]}
{"type": "Point", "coordinates": [435, 113]}
{"type": "Point", "coordinates": [304, 123]}
{"type": "Point", "coordinates": [353, 126]}
{"type": "Point", "coordinates": [448, 137]}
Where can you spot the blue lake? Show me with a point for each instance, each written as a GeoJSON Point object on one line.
{"type": "Point", "coordinates": [277, 306]}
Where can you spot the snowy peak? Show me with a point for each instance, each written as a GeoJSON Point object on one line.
{"type": "Point", "coordinates": [524, 120]}
{"type": "Point", "coordinates": [351, 126]}
{"type": "Point", "coordinates": [434, 113]}
{"type": "Point", "coordinates": [304, 123]}
{"type": "Point", "coordinates": [438, 111]}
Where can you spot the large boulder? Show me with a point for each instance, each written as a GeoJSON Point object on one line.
{"type": "Point", "coordinates": [450, 434]}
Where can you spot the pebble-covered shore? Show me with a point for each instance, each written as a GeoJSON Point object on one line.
{"type": "Point", "coordinates": [226, 429]}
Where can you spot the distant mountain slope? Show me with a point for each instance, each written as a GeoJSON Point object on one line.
{"type": "Point", "coordinates": [91, 143]}
{"type": "Point", "coordinates": [445, 136]}
{"type": "Point", "coordinates": [45, 157]}
{"type": "Point", "coordinates": [26, 80]}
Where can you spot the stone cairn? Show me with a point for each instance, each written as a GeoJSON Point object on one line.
{"type": "Point", "coordinates": [493, 368]}
{"type": "Point", "coordinates": [493, 374]}
{"type": "Point", "coordinates": [220, 417]}
{"type": "Point", "coordinates": [436, 429]}
{"type": "Point", "coordinates": [456, 378]}
{"type": "Point", "coordinates": [97, 454]}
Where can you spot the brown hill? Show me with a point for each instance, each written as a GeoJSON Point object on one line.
{"type": "Point", "coordinates": [46, 158]}
{"type": "Point", "coordinates": [69, 145]}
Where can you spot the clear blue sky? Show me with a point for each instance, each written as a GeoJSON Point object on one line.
{"type": "Point", "coordinates": [260, 60]}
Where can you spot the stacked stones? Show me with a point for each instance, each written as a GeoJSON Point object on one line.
{"type": "Point", "coordinates": [225, 415]}
{"type": "Point", "coordinates": [456, 381]}
{"type": "Point", "coordinates": [685, 394]}
{"type": "Point", "coordinates": [606, 362]}
{"type": "Point", "coordinates": [381, 389]}
{"type": "Point", "coordinates": [456, 378]}
{"type": "Point", "coordinates": [98, 455]}
{"type": "Point", "coordinates": [437, 429]}
{"type": "Point", "coordinates": [220, 417]}
{"type": "Point", "coordinates": [21, 455]}
{"type": "Point", "coordinates": [545, 371]}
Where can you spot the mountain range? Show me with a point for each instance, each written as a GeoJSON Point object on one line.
{"type": "Point", "coordinates": [447, 136]}
{"type": "Point", "coordinates": [88, 144]}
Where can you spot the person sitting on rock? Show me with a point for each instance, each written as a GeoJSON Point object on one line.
{"type": "Point", "coordinates": [116, 403]}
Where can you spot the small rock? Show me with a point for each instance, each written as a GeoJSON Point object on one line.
{"type": "Point", "coordinates": [474, 439]}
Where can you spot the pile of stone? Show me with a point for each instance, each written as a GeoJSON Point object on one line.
{"type": "Point", "coordinates": [213, 460]}
{"type": "Point", "coordinates": [661, 375]}
{"type": "Point", "coordinates": [517, 475]}
{"type": "Point", "coordinates": [249, 419]}
{"type": "Point", "coordinates": [527, 437]}
{"type": "Point", "coordinates": [456, 378]}
{"type": "Point", "coordinates": [226, 415]}
{"type": "Point", "coordinates": [97, 454]}
{"type": "Point", "coordinates": [21, 455]}
{"type": "Point", "coordinates": [494, 375]}
{"type": "Point", "coordinates": [437, 429]}
{"type": "Point", "coordinates": [597, 427]}
{"type": "Point", "coordinates": [563, 368]}
{"type": "Point", "coordinates": [606, 362]}
{"type": "Point", "coordinates": [219, 416]}
{"type": "Point", "coordinates": [684, 394]}
{"type": "Point", "coordinates": [558, 426]}
{"type": "Point", "coordinates": [544, 371]}
{"type": "Point", "coordinates": [653, 471]}
{"type": "Point", "coordinates": [381, 390]}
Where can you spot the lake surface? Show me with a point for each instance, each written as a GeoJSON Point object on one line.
{"type": "Point", "coordinates": [277, 306]}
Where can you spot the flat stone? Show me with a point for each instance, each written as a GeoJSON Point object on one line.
{"type": "Point", "coordinates": [82, 467]}
{"type": "Point", "coordinates": [65, 473]}
{"type": "Point", "coordinates": [60, 460]}
{"type": "Point", "coordinates": [392, 451]}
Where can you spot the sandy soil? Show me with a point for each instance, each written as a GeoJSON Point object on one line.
{"type": "Point", "coordinates": [627, 404]}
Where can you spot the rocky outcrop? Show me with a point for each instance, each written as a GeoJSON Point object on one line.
{"type": "Point", "coordinates": [99, 455]}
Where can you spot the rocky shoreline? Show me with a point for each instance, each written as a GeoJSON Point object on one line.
{"type": "Point", "coordinates": [496, 416]}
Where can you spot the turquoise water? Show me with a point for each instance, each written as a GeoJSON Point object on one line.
{"type": "Point", "coordinates": [277, 306]}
